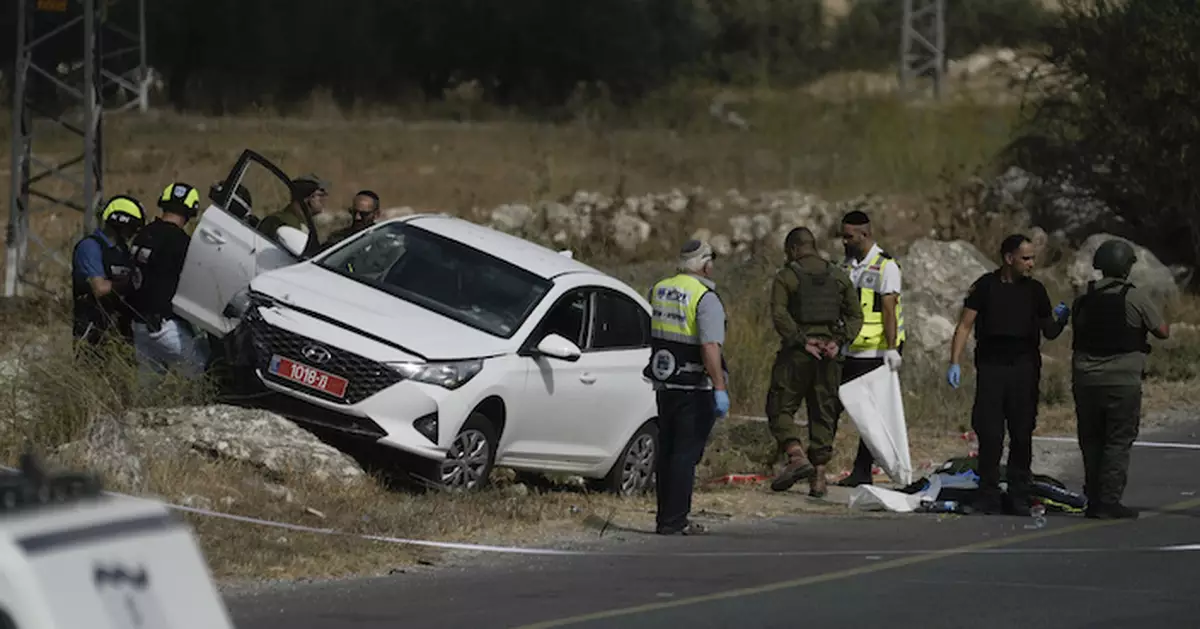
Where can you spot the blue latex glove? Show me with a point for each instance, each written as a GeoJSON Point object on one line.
{"type": "Point", "coordinates": [1061, 312]}
{"type": "Point", "coordinates": [954, 376]}
{"type": "Point", "coordinates": [722, 402]}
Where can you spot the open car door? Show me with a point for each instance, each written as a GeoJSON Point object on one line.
{"type": "Point", "coordinates": [228, 250]}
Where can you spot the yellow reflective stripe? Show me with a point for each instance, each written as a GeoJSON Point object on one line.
{"type": "Point", "coordinates": [872, 334]}
{"type": "Point", "coordinates": [675, 302]}
{"type": "Point", "coordinates": [121, 204]}
{"type": "Point", "coordinates": [191, 199]}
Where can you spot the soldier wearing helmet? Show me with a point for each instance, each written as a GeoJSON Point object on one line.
{"type": "Point", "coordinates": [162, 339]}
{"type": "Point", "coordinates": [100, 274]}
{"type": "Point", "coordinates": [1112, 319]}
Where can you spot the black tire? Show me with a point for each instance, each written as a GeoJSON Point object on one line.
{"type": "Point", "coordinates": [477, 435]}
{"type": "Point", "coordinates": [633, 471]}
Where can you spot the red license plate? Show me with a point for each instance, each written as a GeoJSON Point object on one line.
{"type": "Point", "coordinates": [308, 376]}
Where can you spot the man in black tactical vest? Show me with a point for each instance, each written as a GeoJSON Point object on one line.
{"type": "Point", "coordinates": [100, 277]}
{"type": "Point", "coordinates": [1010, 313]}
{"type": "Point", "coordinates": [1112, 319]}
{"type": "Point", "coordinates": [815, 310]}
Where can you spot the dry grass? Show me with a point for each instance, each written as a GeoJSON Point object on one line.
{"type": "Point", "coordinates": [838, 151]}
{"type": "Point", "coordinates": [797, 141]}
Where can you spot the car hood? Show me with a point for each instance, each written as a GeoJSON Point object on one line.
{"type": "Point", "coordinates": [369, 311]}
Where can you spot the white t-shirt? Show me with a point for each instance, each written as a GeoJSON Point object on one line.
{"type": "Point", "coordinates": [889, 283]}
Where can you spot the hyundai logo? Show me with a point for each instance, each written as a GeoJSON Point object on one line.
{"type": "Point", "coordinates": [316, 353]}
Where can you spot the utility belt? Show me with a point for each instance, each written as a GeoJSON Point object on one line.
{"type": "Point", "coordinates": [677, 365]}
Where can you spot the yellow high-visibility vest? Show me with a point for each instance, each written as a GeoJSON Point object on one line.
{"type": "Point", "coordinates": [676, 358]}
{"type": "Point", "coordinates": [871, 336]}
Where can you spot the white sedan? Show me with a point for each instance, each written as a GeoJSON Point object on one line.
{"type": "Point", "coordinates": [457, 345]}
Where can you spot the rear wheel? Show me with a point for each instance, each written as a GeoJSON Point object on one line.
{"type": "Point", "coordinates": [468, 463]}
{"type": "Point", "coordinates": [633, 472]}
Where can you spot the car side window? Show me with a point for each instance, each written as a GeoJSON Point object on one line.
{"type": "Point", "coordinates": [619, 323]}
{"type": "Point", "coordinates": [568, 317]}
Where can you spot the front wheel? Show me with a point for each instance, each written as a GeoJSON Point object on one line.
{"type": "Point", "coordinates": [633, 472]}
{"type": "Point", "coordinates": [468, 463]}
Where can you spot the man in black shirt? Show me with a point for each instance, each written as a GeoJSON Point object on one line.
{"type": "Point", "coordinates": [162, 339]}
{"type": "Point", "coordinates": [1009, 311]}
{"type": "Point", "coordinates": [363, 213]}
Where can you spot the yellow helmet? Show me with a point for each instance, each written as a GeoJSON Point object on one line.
{"type": "Point", "coordinates": [122, 211]}
{"type": "Point", "coordinates": [180, 197]}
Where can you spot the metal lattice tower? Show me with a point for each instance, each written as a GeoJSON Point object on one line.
{"type": "Point", "coordinates": [85, 78]}
{"type": "Point", "coordinates": [923, 44]}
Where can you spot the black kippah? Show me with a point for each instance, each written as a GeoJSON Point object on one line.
{"type": "Point", "coordinates": [857, 217]}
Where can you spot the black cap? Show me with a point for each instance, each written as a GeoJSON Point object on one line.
{"type": "Point", "coordinates": [305, 185]}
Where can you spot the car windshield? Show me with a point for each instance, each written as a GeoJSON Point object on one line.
{"type": "Point", "coordinates": [442, 275]}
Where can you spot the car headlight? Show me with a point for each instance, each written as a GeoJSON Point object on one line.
{"type": "Point", "coordinates": [243, 301]}
{"type": "Point", "coordinates": [238, 305]}
{"type": "Point", "coordinates": [450, 375]}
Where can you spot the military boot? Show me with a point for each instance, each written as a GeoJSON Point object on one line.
{"type": "Point", "coordinates": [798, 468]}
{"type": "Point", "coordinates": [818, 485]}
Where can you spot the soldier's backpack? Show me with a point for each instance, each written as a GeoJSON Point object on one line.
{"type": "Point", "coordinates": [818, 298]}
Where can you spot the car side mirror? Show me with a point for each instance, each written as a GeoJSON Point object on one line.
{"type": "Point", "coordinates": [292, 239]}
{"type": "Point", "coordinates": [556, 346]}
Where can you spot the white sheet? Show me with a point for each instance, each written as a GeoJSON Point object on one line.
{"type": "Point", "coordinates": [874, 498]}
{"type": "Point", "coordinates": [873, 401]}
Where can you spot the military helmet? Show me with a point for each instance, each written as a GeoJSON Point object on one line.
{"type": "Point", "coordinates": [123, 211]}
{"type": "Point", "coordinates": [181, 198]}
{"type": "Point", "coordinates": [1115, 258]}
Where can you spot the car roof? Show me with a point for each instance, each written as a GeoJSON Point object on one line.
{"type": "Point", "coordinates": [541, 261]}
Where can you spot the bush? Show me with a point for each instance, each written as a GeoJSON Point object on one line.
{"type": "Point", "coordinates": [528, 53]}
{"type": "Point", "coordinates": [1123, 116]}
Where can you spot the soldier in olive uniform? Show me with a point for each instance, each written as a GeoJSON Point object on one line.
{"type": "Point", "coordinates": [815, 310]}
{"type": "Point", "coordinates": [308, 191]}
{"type": "Point", "coordinates": [1111, 322]}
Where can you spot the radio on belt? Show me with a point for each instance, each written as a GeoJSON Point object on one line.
{"type": "Point", "coordinates": [72, 556]}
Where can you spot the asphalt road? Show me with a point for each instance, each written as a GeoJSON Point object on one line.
{"type": "Point", "coordinates": [896, 571]}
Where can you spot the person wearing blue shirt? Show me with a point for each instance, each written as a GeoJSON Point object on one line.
{"type": "Point", "coordinates": [100, 274]}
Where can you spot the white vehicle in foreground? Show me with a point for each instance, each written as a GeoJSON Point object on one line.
{"type": "Point", "coordinates": [71, 556]}
{"type": "Point", "coordinates": [457, 345]}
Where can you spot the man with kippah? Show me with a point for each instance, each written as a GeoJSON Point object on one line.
{"type": "Point", "coordinates": [876, 276]}
{"type": "Point", "coordinates": [689, 375]}
{"type": "Point", "coordinates": [364, 211]}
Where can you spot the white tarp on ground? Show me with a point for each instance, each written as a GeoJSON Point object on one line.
{"type": "Point", "coordinates": [876, 406]}
{"type": "Point", "coordinates": [871, 497]}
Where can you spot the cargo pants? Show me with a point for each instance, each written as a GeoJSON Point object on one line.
{"type": "Point", "coordinates": [798, 377]}
{"type": "Point", "coordinates": [1108, 421]}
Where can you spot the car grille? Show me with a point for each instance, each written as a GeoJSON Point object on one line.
{"type": "Point", "coordinates": [366, 377]}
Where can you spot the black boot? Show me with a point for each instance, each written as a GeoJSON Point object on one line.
{"type": "Point", "coordinates": [1111, 511]}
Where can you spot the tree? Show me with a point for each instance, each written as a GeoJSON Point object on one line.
{"type": "Point", "coordinates": [1121, 119]}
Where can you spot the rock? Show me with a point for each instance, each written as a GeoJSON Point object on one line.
{"type": "Point", "coordinates": [512, 218]}
{"type": "Point", "coordinates": [273, 444]}
{"type": "Point", "coordinates": [721, 245]}
{"type": "Point", "coordinates": [567, 224]}
{"type": "Point", "coordinates": [1148, 272]}
{"type": "Point", "coordinates": [396, 212]}
{"type": "Point", "coordinates": [1065, 208]}
{"type": "Point", "coordinates": [935, 278]}
{"type": "Point", "coordinates": [629, 232]}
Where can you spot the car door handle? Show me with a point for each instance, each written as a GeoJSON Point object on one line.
{"type": "Point", "coordinates": [587, 378]}
{"type": "Point", "coordinates": [212, 236]}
